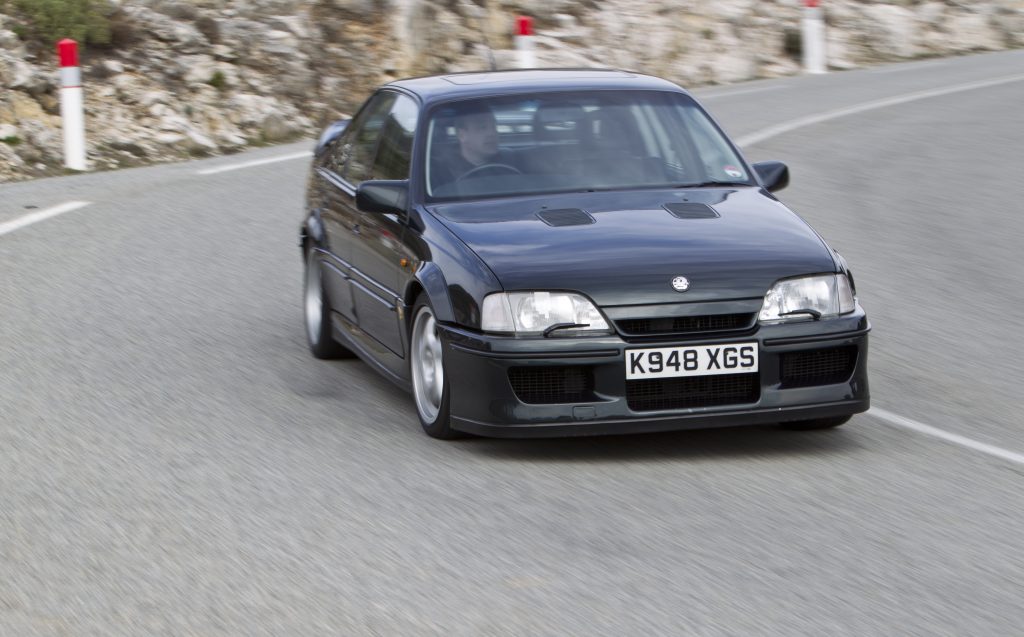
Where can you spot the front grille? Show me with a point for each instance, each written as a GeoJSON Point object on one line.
{"type": "Point", "coordinates": [550, 385]}
{"type": "Point", "coordinates": [818, 367]}
{"type": "Point", "coordinates": [692, 391]}
{"type": "Point", "coordinates": [685, 324]}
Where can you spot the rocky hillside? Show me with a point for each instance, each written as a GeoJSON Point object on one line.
{"type": "Point", "coordinates": [205, 77]}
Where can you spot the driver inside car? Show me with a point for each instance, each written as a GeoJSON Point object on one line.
{"type": "Point", "coordinates": [477, 133]}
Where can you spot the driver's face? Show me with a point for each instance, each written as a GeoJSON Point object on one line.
{"type": "Point", "coordinates": [478, 137]}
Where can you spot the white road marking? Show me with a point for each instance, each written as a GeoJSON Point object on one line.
{"type": "Point", "coordinates": [255, 162]}
{"type": "Point", "coordinates": [760, 89]}
{"type": "Point", "coordinates": [792, 125]}
{"type": "Point", "coordinates": [42, 215]}
{"type": "Point", "coordinates": [957, 439]}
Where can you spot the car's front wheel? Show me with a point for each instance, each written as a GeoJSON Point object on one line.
{"type": "Point", "coordinates": [818, 423]}
{"type": "Point", "coordinates": [430, 388]}
{"type": "Point", "coordinates": [317, 311]}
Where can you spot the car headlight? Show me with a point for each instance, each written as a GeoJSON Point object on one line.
{"type": "Point", "coordinates": [808, 297]}
{"type": "Point", "coordinates": [540, 313]}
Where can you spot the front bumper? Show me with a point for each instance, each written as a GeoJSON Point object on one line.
{"type": "Point", "coordinates": [484, 402]}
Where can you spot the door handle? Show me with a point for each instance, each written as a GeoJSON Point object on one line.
{"type": "Point", "coordinates": [355, 229]}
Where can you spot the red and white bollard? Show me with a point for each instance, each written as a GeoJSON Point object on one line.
{"type": "Point", "coordinates": [524, 43]}
{"type": "Point", "coordinates": [71, 105]}
{"type": "Point", "coordinates": [813, 37]}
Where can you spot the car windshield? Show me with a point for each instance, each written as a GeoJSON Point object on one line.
{"type": "Point", "coordinates": [574, 142]}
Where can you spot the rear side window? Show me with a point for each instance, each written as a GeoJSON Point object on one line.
{"type": "Point", "coordinates": [359, 146]}
{"type": "Point", "coordinates": [395, 149]}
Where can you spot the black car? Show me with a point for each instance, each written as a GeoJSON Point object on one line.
{"type": "Point", "coordinates": [569, 252]}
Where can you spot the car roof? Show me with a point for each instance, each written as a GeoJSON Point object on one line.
{"type": "Point", "coordinates": [437, 88]}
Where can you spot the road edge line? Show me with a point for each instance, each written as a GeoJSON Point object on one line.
{"type": "Point", "coordinates": [742, 91]}
{"type": "Point", "coordinates": [35, 217]}
{"type": "Point", "coordinates": [254, 162]}
{"type": "Point", "coordinates": [802, 122]}
{"type": "Point", "coordinates": [957, 439]}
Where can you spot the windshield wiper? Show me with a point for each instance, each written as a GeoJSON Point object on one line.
{"type": "Point", "coordinates": [714, 183]}
{"type": "Point", "coordinates": [815, 314]}
{"type": "Point", "coordinates": [564, 326]}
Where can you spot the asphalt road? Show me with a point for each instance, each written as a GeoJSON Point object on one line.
{"type": "Point", "coordinates": [173, 462]}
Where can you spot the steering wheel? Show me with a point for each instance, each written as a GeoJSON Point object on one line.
{"type": "Point", "coordinates": [496, 168]}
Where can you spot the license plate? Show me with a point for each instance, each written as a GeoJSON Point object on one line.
{"type": "Point", "coordinates": [700, 360]}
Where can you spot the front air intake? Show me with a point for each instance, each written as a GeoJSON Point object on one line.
{"type": "Point", "coordinates": [691, 210]}
{"type": "Point", "coordinates": [818, 367]}
{"type": "Point", "coordinates": [654, 394]}
{"type": "Point", "coordinates": [565, 217]}
{"type": "Point", "coordinates": [544, 385]}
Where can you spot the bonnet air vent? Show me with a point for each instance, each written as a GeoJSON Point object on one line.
{"type": "Point", "coordinates": [691, 210]}
{"type": "Point", "coordinates": [565, 217]}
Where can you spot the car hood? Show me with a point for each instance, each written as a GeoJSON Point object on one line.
{"type": "Point", "coordinates": [626, 248]}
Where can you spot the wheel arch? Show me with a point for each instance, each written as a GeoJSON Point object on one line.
{"type": "Point", "coordinates": [311, 232]}
{"type": "Point", "coordinates": [429, 280]}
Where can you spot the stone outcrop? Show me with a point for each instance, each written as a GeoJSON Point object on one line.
{"type": "Point", "coordinates": [208, 77]}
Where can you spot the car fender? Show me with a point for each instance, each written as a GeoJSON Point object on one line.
{"type": "Point", "coordinates": [312, 229]}
{"type": "Point", "coordinates": [430, 278]}
{"type": "Point", "coordinates": [455, 278]}
{"type": "Point", "coordinates": [844, 268]}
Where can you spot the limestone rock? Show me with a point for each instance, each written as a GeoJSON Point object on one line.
{"type": "Point", "coordinates": [893, 28]}
{"type": "Point", "coordinates": [9, 40]}
{"type": "Point", "coordinates": [973, 32]}
{"type": "Point", "coordinates": [203, 77]}
{"type": "Point", "coordinates": [11, 165]}
{"type": "Point", "coordinates": [113, 67]}
{"type": "Point", "coordinates": [198, 143]}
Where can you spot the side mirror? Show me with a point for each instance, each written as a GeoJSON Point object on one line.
{"type": "Point", "coordinates": [383, 196]}
{"type": "Point", "coordinates": [773, 174]}
{"type": "Point", "coordinates": [330, 134]}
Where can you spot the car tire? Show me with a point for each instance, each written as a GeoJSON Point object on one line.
{"type": "Point", "coordinates": [817, 423]}
{"type": "Point", "coordinates": [431, 390]}
{"type": "Point", "coordinates": [317, 313]}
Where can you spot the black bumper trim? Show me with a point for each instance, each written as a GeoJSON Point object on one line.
{"type": "Point", "coordinates": [817, 338]}
{"type": "Point", "coordinates": [596, 353]}
{"type": "Point", "coordinates": [670, 423]}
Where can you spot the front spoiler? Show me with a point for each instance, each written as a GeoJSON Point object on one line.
{"type": "Point", "coordinates": [670, 423]}
{"type": "Point", "coordinates": [483, 402]}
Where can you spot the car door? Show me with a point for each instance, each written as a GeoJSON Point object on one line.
{"type": "Point", "coordinates": [337, 209]}
{"type": "Point", "coordinates": [377, 249]}
{"type": "Point", "coordinates": [334, 268]}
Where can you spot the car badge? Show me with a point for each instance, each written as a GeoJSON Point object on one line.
{"type": "Point", "coordinates": [680, 284]}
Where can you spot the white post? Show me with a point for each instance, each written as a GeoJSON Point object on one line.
{"type": "Point", "coordinates": [71, 105]}
{"type": "Point", "coordinates": [813, 37]}
{"type": "Point", "coordinates": [524, 43]}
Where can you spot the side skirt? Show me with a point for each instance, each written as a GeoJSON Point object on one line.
{"type": "Point", "coordinates": [381, 359]}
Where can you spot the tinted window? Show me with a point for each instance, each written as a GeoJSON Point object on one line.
{"type": "Point", "coordinates": [358, 147]}
{"type": "Point", "coordinates": [395, 149]}
{"type": "Point", "coordinates": [337, 153]}
{"type": "Point", "coordinates": [580, 141]}
{"type": "Point", "coordinates": [325, 158]}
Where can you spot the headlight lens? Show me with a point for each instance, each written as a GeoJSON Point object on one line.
{"type": "Point", "coordinates": [808, 297]}
{"type": "Point", "coordinates": [535, 312]}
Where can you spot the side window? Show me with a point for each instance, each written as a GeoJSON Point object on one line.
{"type": "Point", "coordinates": [323, 160]}
{"type": "Point", "coordinates": [360, 142]}
{"type": "Point", "coordinates": [336, 155]}
{"type": "Point", "coordinates": [341, 148]}
{"type": "Point", "coordinates": [395, 149]}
